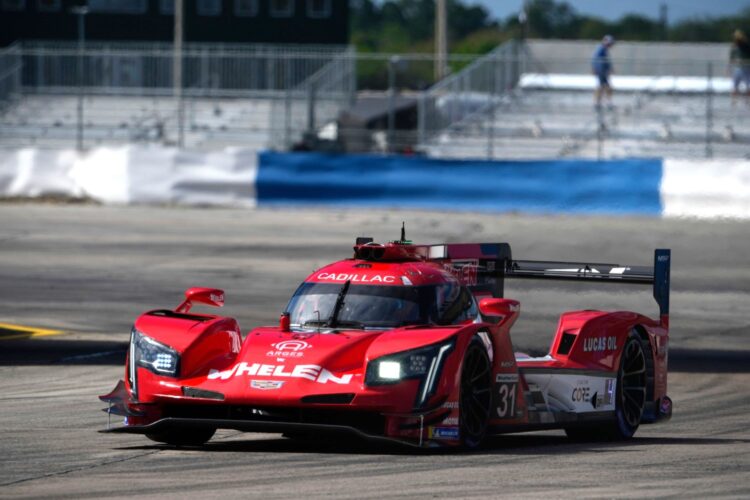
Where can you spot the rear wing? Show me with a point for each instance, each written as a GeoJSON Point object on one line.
{"type": "Point", "coordinates": [483, 267]}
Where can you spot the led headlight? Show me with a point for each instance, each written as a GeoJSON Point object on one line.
{"type": "Point", "coordinates": [424, 363]}
{"type": "Point", "coordinates": [389, 370]}
{"type": "Point", "coordinates": [152, 355]}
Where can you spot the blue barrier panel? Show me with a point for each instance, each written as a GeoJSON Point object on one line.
{"type": "Point", "coordinates": [556, 186]}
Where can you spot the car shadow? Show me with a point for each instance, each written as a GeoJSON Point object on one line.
{"type": "Point", "coordinates": [518, 444]}
{"type": "Point", "coordinates": [62, 351]}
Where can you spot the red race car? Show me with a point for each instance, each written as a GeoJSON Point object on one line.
{"type": "Point", "coordinates": [402, 342]}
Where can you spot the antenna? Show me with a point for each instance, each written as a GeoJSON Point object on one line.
{"type": "Point", "coordinates": [403, 231]}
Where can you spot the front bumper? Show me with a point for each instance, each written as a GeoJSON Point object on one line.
{"type": "Point", "coordinates": [170, 423]}
{"type": "Point", "coordinates": [413, 429]}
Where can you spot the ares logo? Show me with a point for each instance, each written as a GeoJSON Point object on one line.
{"type": "Point", "coordinates": [289, 349]}
{"type": "Point", "coordinates": [291, 345]}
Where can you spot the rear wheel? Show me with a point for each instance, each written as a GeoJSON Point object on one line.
{"type": "Point", "coordinates": [476, 383]}
{"type": "Point", "coordinates": [631, 388]}
{"type": "Point", "coordinates": [630, 397]}
{"type": "Point", "coordinates": [183, 437]}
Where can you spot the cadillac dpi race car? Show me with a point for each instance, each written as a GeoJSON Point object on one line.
{"type": "Point", "coordinates": [402, 342]}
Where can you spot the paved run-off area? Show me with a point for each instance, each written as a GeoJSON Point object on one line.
{"type": "Point", "coordinates": [89, 270]}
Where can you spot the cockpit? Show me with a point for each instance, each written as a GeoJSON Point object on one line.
{"type": "Point", "coordinates": [348, 305]}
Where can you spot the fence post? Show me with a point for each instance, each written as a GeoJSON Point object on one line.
{"type": "Point", "coordinates": [287, 119]}
{"type": "Point", "coordinates": [177, 70]}
{"type": "Point", "coordinates": [421, 118]}
{"type": "Point", "coordinates": [311, 107]}
{"type": "Point", "coordinates": [600, 127]}
{"type": "Point", "coordinates": [81, 12]}
{"type": "Point", "coordinates": [491, 111]}
{"type": "Point", "coordinates": [709, 110]}
{"type": "Point", "coordinates": [391, 100]}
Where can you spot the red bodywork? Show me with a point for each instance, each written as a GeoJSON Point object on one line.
{"type": "Point", "coordinates": [288, 378]}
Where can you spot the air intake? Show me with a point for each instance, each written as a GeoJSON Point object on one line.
{"type": "Point", "coordinates": [329, 399]}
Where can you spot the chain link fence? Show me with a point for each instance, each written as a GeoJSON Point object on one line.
{"type": "Point", "coordinates": [532, 99]}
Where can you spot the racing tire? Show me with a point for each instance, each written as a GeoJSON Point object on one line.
{"type": "Point", "coordinates": [630, 396]}
{"type": "Point", "coordinates": [476, 395]}
{"type": "Point", "coordinates": [183, 437]}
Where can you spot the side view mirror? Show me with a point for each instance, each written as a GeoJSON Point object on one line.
{"type": "Point", "coordinates": [504, 311]}
{"type": "Point", "coordinates": [209, 296]}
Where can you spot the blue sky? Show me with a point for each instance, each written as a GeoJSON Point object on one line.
{"type": "Point", "coordinates": [613, 10]}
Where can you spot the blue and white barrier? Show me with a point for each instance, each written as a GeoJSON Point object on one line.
{"type": "Point", "coordinates": [132, 174]}
{"type": "Point", "coordinates": [237, 177]}
{"type": "Point", "coordinates": [540, 186]}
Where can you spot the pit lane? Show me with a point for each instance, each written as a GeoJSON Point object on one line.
{"type": "Point", "coordinates": [88, 271]}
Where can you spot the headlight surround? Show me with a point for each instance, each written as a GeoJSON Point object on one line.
{"type": "Point", "coordinates": [424, 363]}
{"type": "Point", "coordinates": [152, 355]}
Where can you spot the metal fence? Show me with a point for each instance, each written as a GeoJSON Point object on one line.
{"type": "Point", "coordinates": [313, 102]}
{"type": "Point", "coordinates": [473, 92]}
{"type": "Point", "coordinates": [209, 70]}
{"type": "Point", "coordinates": [10, 74]}
{"type": "Point", "coordinates": [669, 100]}
{"type": "Point", "coordinates": [529, 99]}
{"type": "Point", "coordinates": [123, 92]}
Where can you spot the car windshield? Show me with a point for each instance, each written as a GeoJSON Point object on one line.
{"type": "Point", "coordinates": [345, 305]}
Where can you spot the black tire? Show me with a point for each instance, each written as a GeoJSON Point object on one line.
{"type": "Point", "coordinates": [183, 437]}
{"type": "Point", "coordinates": [476, 394]}
{"type": "Point", "coordinates": [630, 397]}
{"type": "Point", "coordinates": [631, 388]}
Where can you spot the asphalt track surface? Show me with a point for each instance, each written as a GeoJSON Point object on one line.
{"type": "Point", "coordinates": [88, 271]}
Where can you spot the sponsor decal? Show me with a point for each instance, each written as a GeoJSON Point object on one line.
{"type": "Point", "coordinates": [288, 349]}
{"type": "Point", "coordinates": [217, 297]}
{"type": "Point", "coordinates": [599, 344]}
{"type": "Point", "coordinates": [506, 395]}
{"type": "Point", "coordinates": [442, 432]}
{"type": "Point", "coordinates": [450, 421]}
{"type": "Point", "coordinates": [266, 385]}
{"type": "Point", "coordinates": [314, 373]}
{"type": "Point", "coordinates": [581, 393]}
{"type": "Point", "coordinates": [609, 391]}
{"type": "Point", "coordinates": [662, 258]}
{"type": "Point", "coordinates": [356, 278]}
{"type": "Point", "coordinates": [464, 270]}
{"type": "Point", "coordinates": [583, 270]}
{"type": "Point", "coordinates": [507, 364]}
{"type": "Point", "coordinates": [451, 405]}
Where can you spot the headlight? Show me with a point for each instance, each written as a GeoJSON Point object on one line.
{"type": "Point", "coordinates": [152, 355]}
{"type": "Point", "coordinates": [424, 363]}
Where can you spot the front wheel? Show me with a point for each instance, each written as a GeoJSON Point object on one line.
{"type": "Point", "coordinates": [183, 437]}
{"type": "Point", "coordinates": [476, 384]}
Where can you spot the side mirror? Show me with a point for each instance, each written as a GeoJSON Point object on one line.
{"type": "Point", "coordinates": [209, 296]}
{"type": "Point", "coordinates": [504, 311]}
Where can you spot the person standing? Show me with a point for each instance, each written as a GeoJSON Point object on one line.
{"type": "Point", "coordinates": [601, 67]}
{"type": "Point", "coordinates": [739, 60]}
